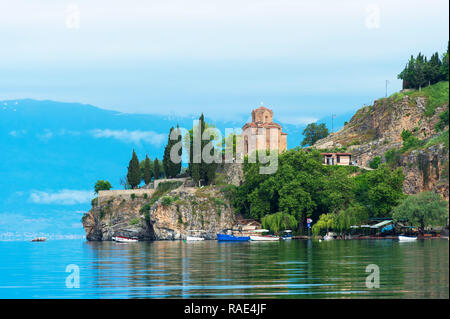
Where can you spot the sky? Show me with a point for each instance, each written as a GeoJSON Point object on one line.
{"type": "Point", "coordinates": [303, 59]}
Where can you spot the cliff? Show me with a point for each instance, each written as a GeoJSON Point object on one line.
{"type": "Point", "coordinates": [376, 129]}
{"type": "Point", "coordinates": [166, 215]}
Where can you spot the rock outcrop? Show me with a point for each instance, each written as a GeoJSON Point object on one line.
{"type": "Point", "coordinates": [167, 216]}
{"type": "Point", "coordinates": [375, 129]}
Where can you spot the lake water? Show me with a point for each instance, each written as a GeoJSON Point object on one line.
{"type": "Point", "coordinates": [211, 269]}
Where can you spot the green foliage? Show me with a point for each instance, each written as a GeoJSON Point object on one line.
{"type": "Point", "coordinates": [443, 120]}
{"type": "Point", "coordinates": [410, 141]}
{"type": "Point", "coordinates": [167, 201]}
{"type": "Point", "coordinates": [353, 215]}
{"type": "Point", "coordinates": [134, 221]}
{"type": "Point", "coordinates": [375, 162]}
{"type": "Point", "coordinates": [134, 172]}
{"type": "Point", "coordinates": [325, 223]}
{"type": "Point", "coordinates": [94, 201]}
{"type": "Point", "coordinates": [202, 171]}
{"type": "Point", "coordinates": [392, 157]}
{"type": "Point", "coordinates": [172, 169]}
{"type": "Point", "coordinates": [102, 185]}
{"type": "Point", "coordinates": [380, 190]}
{"type": "Point", "coordinates": [156, 169]}
{"type": "Point", "coordinates": [419, 72]}
{"type": "Point", "coordinates": [147, 170]}
{"type": "Point", "coordinates": [422, 210]}
{"type": "Point", "coordinates": [314, 132]}
{"type": "Point", "coordinates": [441, 138]}
{"type": "Point", "coordinates": [133, 196]}
{"type": "Point", "coordinates": [278, 222]}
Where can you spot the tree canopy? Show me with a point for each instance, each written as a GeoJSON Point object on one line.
{"type": "Point", "coordinates": [172, 169]}
{"type": "Point", "coordinates": [134, 172]}
{"type": "Point", "coordinates": [314, 132]}
{"type": "Point", "coordinates": [102, 185]}
{"type": "Point", "coordinates": [422, 210]}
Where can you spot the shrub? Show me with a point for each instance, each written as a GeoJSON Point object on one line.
{"type": "Point", "coordinates": [166, 201]}
{"type": "Point", "coordinates": [375, 162]}
{"type": "Point", "coordinates": [133, 196]}
{"type": "Point", "coordinates": [392, 157]}
{"type": "Point", "coordinates": [102, 185]}
{"type": "Point", "coordinates": [134, 221]}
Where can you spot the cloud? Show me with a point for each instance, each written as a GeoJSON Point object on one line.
{"type": "Point", "coordinates": [45, 136]}
{"type": "Point", "coordinates": [297, 120]}
{"type": "Point", "coordinates": [63, 197]}
{"type": "Point", "coordinates": [135, 137]}
{"type": "Point", "coordinates": [18, 133]}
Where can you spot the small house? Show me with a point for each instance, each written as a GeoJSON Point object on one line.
{"type": "Point", "coordinates": [337, 158]}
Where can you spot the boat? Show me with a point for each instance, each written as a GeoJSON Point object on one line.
{"type": "Point", "coordinates": [263, 237]}
{"type": "Point", "coordinates": [39, 239]}
{"type": "Point", "coordinates": [122, 239]}
{"type": "Point", "coordinates": [287, 235]}
{"type": "Point", "coordinates": [194, 238]}
{"type": "Point", "coordinates": [406, 238]}
{"type": "Point", "coordinates": [228, 235]}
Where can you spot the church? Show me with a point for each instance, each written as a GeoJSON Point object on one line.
{"type": "Point", "coordinates": [257, 133]}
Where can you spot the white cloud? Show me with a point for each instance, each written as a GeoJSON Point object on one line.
{"type": "Point", "coordinates": [63, 197]}
{"type": "Point", "coordinates": [135, 137]}
{"type": "Point", "coordinates": [45, 136]}
{"type": "Point", "coordinates": [18, 133]}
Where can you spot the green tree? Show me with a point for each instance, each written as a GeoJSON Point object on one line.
{"type": "Point", "coordinates": [422, 210]}
{"type": "Point", "coordinates": [314, 132]}
{"type": "Point", "coordinates": [203, 170]}
{"type": "Point", "coordinates": [375, 162]}
{"type": "Point", "coordinates": [156, 169]}
{"type": "Point", "coordinates": [134, 172]}
{"type": "Point", "coordinates": [147, 171]}
{"type": "Point", "coordinates": [102, 185]}
{"type": "Point", "coordinates": [170, 168]}
{"type": "Point", "coordinates": [278, 222]}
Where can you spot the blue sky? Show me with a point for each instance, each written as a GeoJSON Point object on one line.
{"type": "Point", "coordinates": [173, 60]}
{"type": "Point", "coordinates": [304, 59]}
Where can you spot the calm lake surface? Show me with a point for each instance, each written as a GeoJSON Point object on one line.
{"type": "Point", "coordinates": [211, 269]}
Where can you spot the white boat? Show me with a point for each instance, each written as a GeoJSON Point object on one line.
{"type": "Point", "coordinates": [122, 239]}
{"type": "Point", "coordinates": [406, 238]}
{"type": "Point", "coordinates": [329, 236]}
{"type": "Point", "coordinates": [287, 235]}
{"type": "Point", "coordinates": [193, 238]}
{"type": "Point", "coordinates": [263, 237]}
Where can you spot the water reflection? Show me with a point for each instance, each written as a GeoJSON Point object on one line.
{"type": "Point", "coordinates": [272, 269]}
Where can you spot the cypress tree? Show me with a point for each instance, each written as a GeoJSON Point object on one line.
{"type": "Point", "coordinates": [147, 171]}
{"type": "Point", "coordinates": [156, 169]}
{"type": "Point", "coordinates": [134, 172]}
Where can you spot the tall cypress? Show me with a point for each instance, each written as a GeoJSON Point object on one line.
{"type": "Point", "coordinates": [156, 169]}
{"type": "Point", "coordinates": [147, 171]}
{"type": "Point", "coordinates": [166, 157]}
{"type": "Point", "coordinates": [134, 173]}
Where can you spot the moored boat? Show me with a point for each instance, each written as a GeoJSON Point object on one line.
{"type": "Point", "coordinates": [122, 239]}
{"type": "Point", "coordinates": [193, 238]}
{"type": "Point", "coordinates": [226, 237]}
{"type": "Point", "coordinates": [287, 235]}
{"type": "Point", "coordinates": [261, 237]}
{"type": "Point", "coordinates": [406, 238]}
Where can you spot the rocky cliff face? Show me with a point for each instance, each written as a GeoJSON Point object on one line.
{"type": "Point", "coordinates": [375, 129]}
{"type": "Point", "coordinates": [166, 216]}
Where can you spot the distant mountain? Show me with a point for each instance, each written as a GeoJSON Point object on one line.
{"type": "Point", "coordinates": [52, 153]}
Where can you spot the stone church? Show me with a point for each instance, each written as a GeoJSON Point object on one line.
{"type": "Point", "coordinates": [257, 133]}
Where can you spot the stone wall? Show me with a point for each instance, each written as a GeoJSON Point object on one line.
{"type": "Point", "coordinates": [123, 193]}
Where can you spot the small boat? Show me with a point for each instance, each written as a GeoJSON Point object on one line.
{"type": "Point", "coordinates": [287, 235]}
{"type": "Point", "coordinates": [263, 237]}
{"type": "Point", "coordinates": [39, 239]}
{"type": "Point", "coordinates": [194, 238]}
{"type": "Point", "coordinates": [121, 239]}
{"type": "Point", "coordinates": [406, 238]}
{"type": "Point", "coordinates": [329, 236]}
{"type": "Point", "coordinates": [226, 237]}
